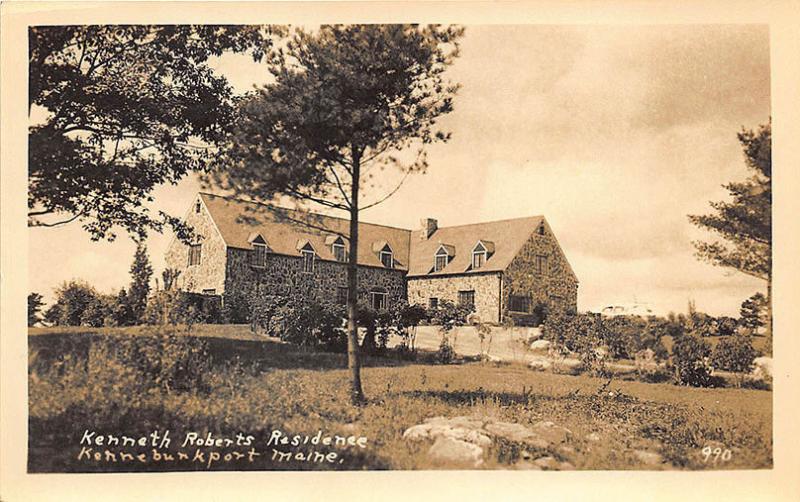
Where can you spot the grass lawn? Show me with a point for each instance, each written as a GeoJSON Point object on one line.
{"type": "Point", "coordinates": [275, 386]}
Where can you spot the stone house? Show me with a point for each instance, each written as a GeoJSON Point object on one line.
{"type": "Point", "coordinates": [502, 268]}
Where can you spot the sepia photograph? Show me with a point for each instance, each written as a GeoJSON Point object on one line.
{"type": "Point", "coordinates": [398, 247]}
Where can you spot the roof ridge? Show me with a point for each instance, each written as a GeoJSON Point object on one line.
{"type": "Point", "coordinates": [491, 222]}
{"type": "Point", "coordinates": [360, 221]}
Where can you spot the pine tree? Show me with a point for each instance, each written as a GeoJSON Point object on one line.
{"type": "Point", "coordinates": [744, 223]}
{"type": "Point", "coordinates": [141, 272]}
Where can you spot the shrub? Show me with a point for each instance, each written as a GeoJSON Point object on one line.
{"type": "Point", "coordinates": [690, 361]}
{"type": "Point", "coordinates": [236, 307]}
{"type": "Point", "coordinates": [73, 298]}
{"type": "Point", "coordinates": [98, 311]}
{"type": "Point", "coordinates": [449, 315]}
{"type": "Point", "coordinates": [172, 307]}
{"type": "Point", "coordinates": [309, 324]}
{"type": "Point", "coordinates": [579, 334]}
{"type": "Point", "coordinates": [445, 354]}
{"type": "Point", "coordinates": [735, 354]}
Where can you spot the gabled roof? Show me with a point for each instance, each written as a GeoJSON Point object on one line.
{"type": "Point", "coordinates": [507, 236]}
{"type": "Point", "coordinates": [237, 220]}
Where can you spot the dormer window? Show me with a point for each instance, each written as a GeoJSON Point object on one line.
{"type": "Point", "coordinates": [387, 258]}
{"type": "Point", "coordinates": [481, 252]}
{"type": "Point", "coordinates": [258, 258]}
{"type": "Point", "coordinates": [308, 255]}
{"type": "Point", "coordinates": [440, 260]}
{"type": "Point", "coordinates": [478, 256]}
{"type": "Point", "coordinates": [339, 253]}
{"type": "Point", "coordinates": [259, 255]}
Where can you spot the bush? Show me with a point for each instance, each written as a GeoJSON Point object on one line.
{"type": "Point", "coordinates": [236, 307]}
{"type": "Point", "coordinates": [735, 354]}
{"type": "Point", "coordinates": [172, 307]}
{"type": "Point", "coordinates": [690, 361]}
{"type": "Point", "coordinates": [445, 354]}
{"type": "Point", "coordinates": [73, 299]}
{"type": "Point", "coordinates": [579, 334]}
{"type": "Point", "coordinates": [310, 324]}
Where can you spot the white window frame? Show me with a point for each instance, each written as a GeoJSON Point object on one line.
{"type": "Point", "coordinates": [391, 259]}
{"type": "Point", "coordinates": [379, 294]}
{"type": "Point", "coordinates": [339, 245]}
{"type": "Point", "coordinates": [436, 257]}
{"type": "Point", "coordinates": [304, 254]}
{"type": "Point", "coordinates": [256, 249]}
{"type": "Point", "coordinates": [475, 254]}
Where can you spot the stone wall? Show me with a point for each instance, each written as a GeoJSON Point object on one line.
{"type": "Point", "coordinates": [210, 273]}
{"type": "Point", "coordinates": [284, 275]}
{"type": "Point", "coordinates": [486, 287]}
{"type": "Point", "coordinates": [556, 286]}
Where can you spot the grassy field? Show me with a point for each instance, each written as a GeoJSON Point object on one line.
{"type": "Point", "coordinates": [273, 386]}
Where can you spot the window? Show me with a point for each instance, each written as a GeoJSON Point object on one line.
{"type": "Point", "coordinates": [339, 253]}
{"type": "Point", "coordinates": [541, 264]}
{"type": "Point", "coordinates": [308, 260]}
{"type": "Point", "coordinates": [433, 303]}
{"type": "Point", "coordinates": [378, 300]}
{"type": "Point", "coordinates": [466, 298]}
{"type": "Point", "coordinates": [194, 254]}
{"type": "Point", "coordinates": [541, 230]}
{"type": "Point", "coordinates": [341, 295]}
{"type": "Point", "coordinates": [478, 259]}
{"type": "Point", "coordinates": [209, 291]}
{"type": "Point", "coordinates": [387, 259]}
{"type": "Point", "coordinates": [259, 255]}
{"type": "Point", "coordinates": [519, 304]}
{"type": "Point", "coordinates": [197, 207]}
{"type": "Point", "coordinates": [440, 262]}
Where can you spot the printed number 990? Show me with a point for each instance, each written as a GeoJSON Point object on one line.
{"type": "Point", "coordinates": [716, 454]}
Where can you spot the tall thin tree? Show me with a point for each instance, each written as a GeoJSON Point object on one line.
{"type": "Point", "coordinates": [346, 102]}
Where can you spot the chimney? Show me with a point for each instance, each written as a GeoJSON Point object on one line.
{"type": "Point", "coordinates": [429, 226]}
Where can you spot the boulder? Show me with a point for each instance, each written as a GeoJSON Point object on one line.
{"type": "Point", "coordinates": [762, 367]}
{"type": "Point", "coordinates": [446, 430]}
{"type": "Point", "coordinates": [541, 364]}
{"type": "Point", "coordinates": [540, 345]}
{"type": "Point", "coordinates": [455, 451]}
{"type": "Point", "coordinates": [517, 433]}
{"type": "Point", "coordinates": [551, 432]}
{"type": "Point", "coordinates": [549, 463]}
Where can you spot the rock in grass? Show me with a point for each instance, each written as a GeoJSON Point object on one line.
{"type": "Point", "coordinates": [540, 364]}
{"type": "Point", "coordinates": [517, 433]}
{"type": "Point", "coordinates": [551, 432]}
{"type": "Point", "coordinates": [526, 465]}
{"type": "Point", "coordinates": [549, 463]}
{"type": "Point", "coordinates": [542, 345]}
{"type": "Point", "coordinates": [455, 451]}
{"type": "Point", "coordinates": [457, 429]}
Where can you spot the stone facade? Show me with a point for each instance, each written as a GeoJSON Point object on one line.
{"type": "Point", "coordinates": [555, 286]}
{"type": "Point", "coordinates": [537, 273]}
{"type": "Point", "coordinates": [209, 274]}
{"type": "Point", "coordinates": [486, 288]}
{"type": "Point", "coordinates": [283, 274]}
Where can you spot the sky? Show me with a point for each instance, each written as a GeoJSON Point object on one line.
{"type": "Point", "coordinates": [614, 133]}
